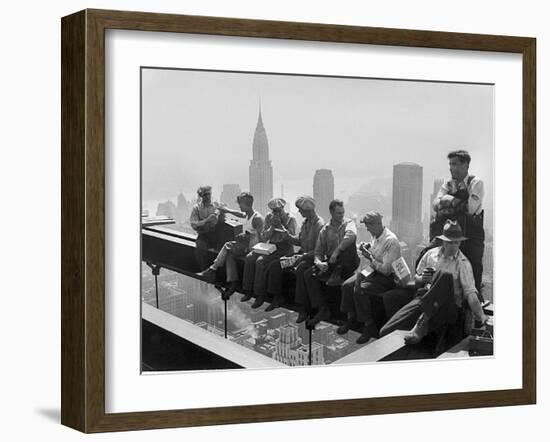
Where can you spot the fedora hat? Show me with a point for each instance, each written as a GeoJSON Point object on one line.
{"type": "Point", "coordinates": [452, 232]}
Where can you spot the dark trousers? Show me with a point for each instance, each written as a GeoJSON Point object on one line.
{"type": "Point", "coordinates": [438, 304]}
{"type": "Point", "coordinates": [397, 298]}
{"type": "Point", "coordinates": [473, 250]}
{"type": "Point", "coordinates": [357, 292]}
{"type": "Point", "coordinates": [301, 297]}
{"type": "Point", "coordinates": [314, 285]}
{"type": "Point", "coordinates": [275, 275]}
{"type": "Point", "coordinates": [204, 242]}
{"type": "Point", "coordinates": [255, 269]}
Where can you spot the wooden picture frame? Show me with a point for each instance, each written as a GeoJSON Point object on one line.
{"type": "Point", "coordinates": [83, 219]}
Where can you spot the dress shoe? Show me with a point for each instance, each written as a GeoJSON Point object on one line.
{"type": "Point", "coordinates": [246, 297]}
{"type": "Point", "coordinates": [208, 275]}
{"type": "Point", "coordinates": [419, 330]}
{"type": "Point", "coordinates": [302, 316]}
{"type": "Point", "coordinates": [258, 302]}
{"type": "Point", "coordinates": [367, 333]}
{"type": "Point", "coordinates": [346, 327]}
{"type": "Point", "coordinates": [322, 315]}
{"type": "Point", "coordinates": [272, 307]}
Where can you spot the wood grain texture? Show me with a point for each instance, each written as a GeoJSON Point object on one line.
{"type": "Point", "coordinates": [83, 219]}
{"type": "Point", "coordinates": [529, 221]}
{"type": "Point", "coordinates": [73, 213]}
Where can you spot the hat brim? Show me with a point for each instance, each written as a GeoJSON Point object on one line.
{"type": "Point", "coordinates": [446, 238]}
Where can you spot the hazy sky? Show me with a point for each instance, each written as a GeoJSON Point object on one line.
{"type": "Point", "coordinates": [198, 128]}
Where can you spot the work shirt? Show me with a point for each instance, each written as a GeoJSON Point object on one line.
{"type": "Point", "coordinates": [385, 249]}
{"type": "Point", "coordinates": [249, 226]}
{"type": "Point", "coordinates": [333, 236]}
{"type": "Point", "coordinates": [309, 232]}
{"type": "Point", "coordinates": [274, 236]}
{"type": "Point", "coordinates": [458, 265]}
{"type": "Point", "coordinates": [200, 212]}
{"type": "Point", "coordinates": [476, 191]}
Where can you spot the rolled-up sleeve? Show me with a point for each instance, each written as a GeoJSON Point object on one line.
{"type": "Point", "coordinates": [194, 218]}
{"type": "Point", "coordinates": [423, 263]}
{"type": "Point", "coordinates": [292, 226]}
{"type": "Point", "coordinates": [350, 236]}
{"type": "Point", "coordinates": [477, 193]}
{"type": "Point", "coordinates": [321, 246]}
{"type": "Point", "coordinates": [466, 276]}
{"type": "Point", "coordinates": [391, 254]}
{"type": "Point", "coordinates": [442, 192]}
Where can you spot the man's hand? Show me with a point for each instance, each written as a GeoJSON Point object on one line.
{"type": "Point", "coordinates": [334, 257]}
{"type": "Point", "coordinates": [427, 275]}
{"type": "Point", "coordinates": [446, 200]}
{"type": "Point", "coordinates": [212, 218]}
{"type": "Point", "coordinates": [276, 222]}
{"type": "Point", "coordinates": [322, 266]}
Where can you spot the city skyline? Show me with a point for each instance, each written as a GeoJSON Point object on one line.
{"type": "Point", "coordinates": [358, 128]}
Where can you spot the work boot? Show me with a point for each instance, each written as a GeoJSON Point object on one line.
{"type": "Point", "coordinates": [347, 326]}
{"type": "Point", "coordinates": [230, 290]}
{"type": "Point", "coordinates": [335, 277]}
{"type": "Point", "coordinates": [258, 302]}
{"type": "Point", "coordinates": [419, 330]}
{"type": "Point", "coordinates": [322, 315]}
{"type": "Point", "coordinates": [367, 333]}
{"type": "Point", "coordinates": [208, 275]}
{"type": "Point", "coordinates": [276, 303]}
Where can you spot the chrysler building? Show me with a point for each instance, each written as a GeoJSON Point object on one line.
{"type": "Point", "coordinates": [260, 170]}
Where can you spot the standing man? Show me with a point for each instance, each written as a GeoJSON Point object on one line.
{"type": "Point", "coordinates": [203, 219]}
{"type": "Point", "coordinates": [444, 282]}
{"type": "Point", "coordinates": [252, 227]}
{"type": "Point", "coordinates": [335, 258]}
{"type": "Point", "coordinates": [357, 291]}
{"type": "Point", "coordinates": [306, 239]}
{"type": "Point", "coordinates": [461, 199]}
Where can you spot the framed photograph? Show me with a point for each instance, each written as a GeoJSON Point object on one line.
{"type": "Point", "coordinates": [269, 220]}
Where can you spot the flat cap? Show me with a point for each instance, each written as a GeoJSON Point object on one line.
{"type": "Point", "coordinates": [276, 203]}
{"type": "Point", "coordinates": [372, 217]}
{"type": "Point", "coordinates": [305, 202]}
{"type": "Point", "coordinates": [204, 189]}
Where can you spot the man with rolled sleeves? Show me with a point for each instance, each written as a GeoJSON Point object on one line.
{"type": "Point", "coordinates": [461, 198]}
{"type": "Point", "coordinates": [357, 291]}
{"type": "Point", "coordinates": [306, 239]}
{"type": "Point", "coordinates": [335, 257]}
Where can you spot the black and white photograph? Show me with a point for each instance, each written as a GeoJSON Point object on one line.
{"type": "Point", "coordinates": [294, 220]}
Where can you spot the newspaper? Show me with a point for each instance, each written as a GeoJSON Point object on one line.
{"type": "Point", "coordinates": [401, 271]}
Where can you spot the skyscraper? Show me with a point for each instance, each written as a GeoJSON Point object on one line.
{"type": "Point", "coordinates": [407, 203]}
{"type": "Point", "coordinates": [323, 191]}
{"type": "Point", "coordinates": [290, 350]}
{"type": "Point", "coordinates": [260, 170]}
